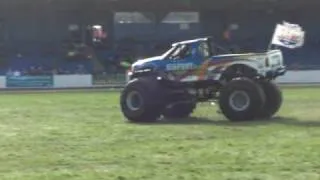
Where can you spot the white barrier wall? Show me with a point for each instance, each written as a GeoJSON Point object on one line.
{"type": "Point", "coordinates": [3, 82]}
{"type": "Point", "coordinates": [62, 81]}
{"type": "Point", "coordinates": [65, 81]}
{"type": "Point", "coordinates": [310, 76]}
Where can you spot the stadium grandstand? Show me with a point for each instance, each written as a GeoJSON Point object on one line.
{"type": "Point", "coordinates": [93, 36]}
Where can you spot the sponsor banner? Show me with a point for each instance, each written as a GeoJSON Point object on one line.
{"type": "Point", "coordinates": [29, 81]}
{"type": "Point", "coordinates": [288, 35]}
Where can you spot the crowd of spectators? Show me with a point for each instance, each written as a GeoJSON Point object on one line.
{"type": "Point", "coordinates": [109, 59]}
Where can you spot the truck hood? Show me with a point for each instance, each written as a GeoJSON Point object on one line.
{"type": "Point", "coordinates": [143, 61]}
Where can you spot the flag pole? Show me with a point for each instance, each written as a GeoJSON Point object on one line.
{"type": "Point", "coordinates": [270, 43]}
{"type": "Point", "coordinates": [269, 46]}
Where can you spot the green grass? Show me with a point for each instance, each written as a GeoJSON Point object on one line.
{"type": "Point", "coordinates": [84, 136]}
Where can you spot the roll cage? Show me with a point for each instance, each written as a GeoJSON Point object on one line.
{"type": "Point", "coordinates": [185, 48]}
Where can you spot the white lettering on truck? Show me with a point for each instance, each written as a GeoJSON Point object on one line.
{"type": "Point", "coordinates": [180, 67]}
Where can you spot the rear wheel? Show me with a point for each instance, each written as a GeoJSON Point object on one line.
{"type": "Point", "coordinates": [141, 100]}
{"type": "Point", "coordinates": [274, 99]}
{"type": "Point", "coordinates": [241, 99]}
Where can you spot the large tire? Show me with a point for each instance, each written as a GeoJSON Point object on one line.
{"type": "Point", "coordinates": [141, 100]}
{"type": "Point", "coordinates": [182, 110]}
{"type": "Point", "coordinates": [252, 96]}
{"type": "Point", "coordinates": [274, 99]}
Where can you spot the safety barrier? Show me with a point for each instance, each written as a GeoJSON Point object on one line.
{"type": "Point", "coordinates": [300, 77]}
{"type": "Point", "coordinates": [46, 81]}
{"type": "Point", "coordinates": [62, 81]}
{"type": "Point", "coordinates": [84, 81]}
{"type": "Point", "coordinates": [3, 82]}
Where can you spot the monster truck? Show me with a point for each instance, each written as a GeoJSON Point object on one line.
{"type": "Point", "coordinates": [190, 72]}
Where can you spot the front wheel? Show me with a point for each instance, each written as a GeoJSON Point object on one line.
{"type": "Point", "coordinates": [273, 99]}
{"type": "Point", "coordinates": [241, 99]}
{"type": "Point", "coordinates": [141, 101]}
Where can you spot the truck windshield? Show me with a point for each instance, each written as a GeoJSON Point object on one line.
{"type": "Point", "coordinates": [169, 51]}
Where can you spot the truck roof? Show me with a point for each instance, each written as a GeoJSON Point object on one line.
{"type": "Point", "coordinates": [191, 41]}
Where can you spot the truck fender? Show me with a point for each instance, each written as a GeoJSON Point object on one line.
{"type": "Point", "coordinates": [246, 67]}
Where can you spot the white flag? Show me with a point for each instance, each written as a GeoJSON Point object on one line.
{"type": "Point", "coordinates": [288, 35]}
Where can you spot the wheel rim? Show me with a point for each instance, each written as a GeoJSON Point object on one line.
{"type": "Point", "coordinates": [239, 100]}
{"type": "Point", "coordinates": [134, 101]}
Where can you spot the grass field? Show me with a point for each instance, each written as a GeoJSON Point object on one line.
{"type": "Point", "coordinates": [84, 136]}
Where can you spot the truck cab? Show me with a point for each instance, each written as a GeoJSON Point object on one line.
{"type": "Point", "coordinates": [181, 58]}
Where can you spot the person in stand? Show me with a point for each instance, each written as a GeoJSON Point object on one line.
{"type": "Point", "coordinates": [229, 36]}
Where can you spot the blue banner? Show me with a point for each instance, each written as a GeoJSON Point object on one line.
{"type": "Point", "coordinates": [29, 81]}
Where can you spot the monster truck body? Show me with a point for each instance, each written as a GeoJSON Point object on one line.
{"type": "Point", "coordinates": [193, 61]}
{"type": "Point", "coordinates": [170, 85]}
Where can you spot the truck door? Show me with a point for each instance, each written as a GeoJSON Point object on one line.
{"type": "Point", "coordinates": [183, 63]}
